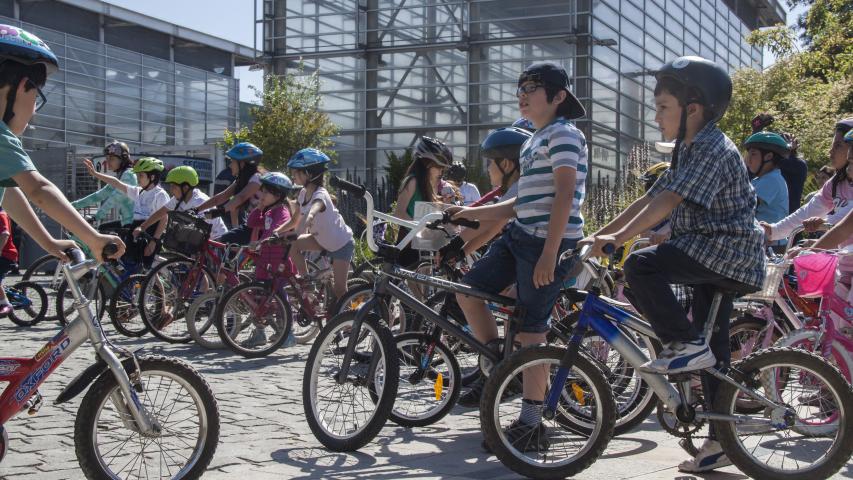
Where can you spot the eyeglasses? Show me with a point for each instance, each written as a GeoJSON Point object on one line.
{"type": "Point", "coordinates": [40, 99]}
{"type": "Point", "coordinates": [528, 89]}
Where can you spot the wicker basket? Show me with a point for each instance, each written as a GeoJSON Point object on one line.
{"type": "Point", "coordinates": [186, 233]}
{"type": "Point", "coordinates": [772, 280]}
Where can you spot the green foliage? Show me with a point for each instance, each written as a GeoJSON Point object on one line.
{"type": "Point", "coordinates": [827, 31]}
{"type": "Point", "coordinates": [288, 119]}
{"type": "Point", "coordinates": [395, 168]}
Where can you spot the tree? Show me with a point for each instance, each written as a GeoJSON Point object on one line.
{"type": "Point", "coordinates": [287, 120]}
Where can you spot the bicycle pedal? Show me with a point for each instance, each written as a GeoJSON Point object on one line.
{"type": "Point", "coordinates": [34, 403]}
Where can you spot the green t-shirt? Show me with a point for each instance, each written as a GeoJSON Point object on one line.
{"type": "Point", "coordinates": [13, 159]}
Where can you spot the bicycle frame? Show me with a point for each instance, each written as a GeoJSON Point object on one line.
{"type": "Point", "coordinates": [25, 375]}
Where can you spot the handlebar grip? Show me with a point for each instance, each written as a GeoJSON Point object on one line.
{"type": "Point", "coordinates": [464, 222]}
{"type": "Point", "coordinates": [609, 248]}
{"type": "Point", "coordinates": [357, 190]}
{"type": "Point", "coordinates": [76, 255]}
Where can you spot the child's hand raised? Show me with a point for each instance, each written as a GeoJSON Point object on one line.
{"type": "Point", "coordinates": [87, 162]}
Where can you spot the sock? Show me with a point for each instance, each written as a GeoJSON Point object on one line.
{"type": "Point", "coordinates": [531, 412]}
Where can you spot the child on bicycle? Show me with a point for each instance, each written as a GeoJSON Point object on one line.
{"type": "Point", "coordinates": [548, 221]}
{"type": "Point", "coordinates": [271, 214]}
{"type": "Point", "coordinates": [27, 62]}
{"type": "Point", "coordinates": [148, 197]}
{"type": "Point", "coordinates": [182, 183]}
{"type": "Point", "coordinates": [107, 197]}
{"type": "Point", "coordinates": [8, 259]}
{"type": "Point", "coordinates": [714, 239]}
{"type": "Point", "coordinates": [242, 195]}
{"type": "Point", "coordinates": [320, 225]}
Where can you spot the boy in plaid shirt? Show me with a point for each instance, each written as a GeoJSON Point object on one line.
{"type": "Point", "coordinates": [715, 241]}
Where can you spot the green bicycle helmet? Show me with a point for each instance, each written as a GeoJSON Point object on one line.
{"type": "Point", "coordinates": [769, 142]}
{"type": "Point", "coordinates": [148, 165]}
{"type": "Point", "coordinates": [182, 175]}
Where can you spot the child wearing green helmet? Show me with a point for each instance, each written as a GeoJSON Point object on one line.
{"type": "Point", "coordinates": [764, 152]}
{"type": "Point", "coordinates": [182, 182]}
{"type": "Point", "coordinates": [148, 197]}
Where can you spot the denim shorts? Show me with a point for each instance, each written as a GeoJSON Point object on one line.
{"type": "Point", "coordinates": [511, 259]}
{"type": "Point", "coordinates": [344, 253]}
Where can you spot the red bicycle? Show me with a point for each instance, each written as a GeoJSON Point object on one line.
{"type": "Point", "coordinates": [142, 414]}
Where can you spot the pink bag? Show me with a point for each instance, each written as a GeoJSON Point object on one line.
{"type": "Point", "coordinates": [815, 274]}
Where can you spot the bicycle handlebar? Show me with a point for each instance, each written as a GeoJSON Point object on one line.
{"type": "Point", "coordinates": [349, 187]}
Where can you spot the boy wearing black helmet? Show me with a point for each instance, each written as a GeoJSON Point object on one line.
{"type": "Point", "coordinates": [714, 241]}
{"type": "Point", "coordinates": [547, 221]}
{"type": "Point", "coordinates": [25, 63]}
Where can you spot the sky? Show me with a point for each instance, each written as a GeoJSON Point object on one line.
{"type": "Point", "coordinates": [234, 20]}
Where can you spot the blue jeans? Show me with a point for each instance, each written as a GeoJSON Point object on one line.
{"type": "Point", "coordinates": [512, 259]}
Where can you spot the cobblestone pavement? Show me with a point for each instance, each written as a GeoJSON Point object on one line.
{"type": "Point", "coordinates": [264, 433]}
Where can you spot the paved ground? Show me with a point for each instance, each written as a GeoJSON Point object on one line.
{"type": "Point", "coordinates": [264, 433]}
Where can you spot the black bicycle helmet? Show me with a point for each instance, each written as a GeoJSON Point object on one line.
{"type": "Point", "coordinates": [707, 83]}
{"type": "Point", "coordinates": [435, 150]}
{"type": "Point", "coordinates": [457, 172]}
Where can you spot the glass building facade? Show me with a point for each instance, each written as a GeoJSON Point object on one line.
{"type": "Point", "coordinates": [392, 70]}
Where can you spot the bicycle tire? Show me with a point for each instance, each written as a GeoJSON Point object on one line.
{"type": "Point", "coordinates": [807, 339]}
{"type": "Point", "coordinates": [410, 386]}
{"type": "Point", "coordinates": [787, 361]}
{"type": "Point", "coordinates": [124, 305]}
{"type": "Point", "coordinates": [596, 395]}
{"type": "Point", "coordinates": [99, 397]}
{"type": "Point", "coordinates": [229, 333]}
{"type": "Point", "coordinates": [34, 309]}
{"type": "Point", "coordinates": [358, 431]}
{"type": "Point", "coordinates": [203, 310]}
{"type": "Point", "coordinates": [159, 322]}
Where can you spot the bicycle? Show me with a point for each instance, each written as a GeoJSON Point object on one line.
{"type": "Point", "coordinates": [154, 414]}
{"type": "Point", "coordinates": [29, 303]}
{"type": "Point", "coordinates": [578, 411]}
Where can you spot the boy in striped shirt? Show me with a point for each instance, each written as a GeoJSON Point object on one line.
{"type": "Point", "coordinates": [548, 221]}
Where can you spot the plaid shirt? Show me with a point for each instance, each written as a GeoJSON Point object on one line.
{"type": "Point", "coordinates": [715, 223]}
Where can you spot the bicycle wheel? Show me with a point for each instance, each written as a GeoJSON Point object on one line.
{"type": "Point", "coordinates": [124, 307]}
{"type": "Point", "coordinates": [201, 321]}
{"type": "Point", "coordinates": [551, 450]}
{"type": "Point", "coordinates": [65, 300]}
{"type": "Point", "coordinates": [809, 339]}
{"type": "Point", "coordinates": [46, 272]}
{"type": "Point", "coordinates": [799, 440]}
{"type": "Point", "coordinates": [29, 303]}
{"type": "Point", "coordinates": [467, 358]}
{"type": "Point", "coordinates": [177, 397]}
{"type": "Point", "coordinates": [252, 321]}
{"type": "Point", "coordinates": [167, 293]}
{"type": "Point", "coordinates": [428, 387]}
{"type": "Point", "coordinates": [343, 415]}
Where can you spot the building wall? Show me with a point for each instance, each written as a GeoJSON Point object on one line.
{"type": "Point", "coordinates": [449, 68]}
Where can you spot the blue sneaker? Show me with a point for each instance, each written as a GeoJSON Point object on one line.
{"type": "Point", "coordinates": [291, 340]}
{"type": "Point", "coordinates": [680, 357]}
{"type": "Point", "coordinates": [710, 457]}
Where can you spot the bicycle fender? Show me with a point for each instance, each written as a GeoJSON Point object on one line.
{"type": "Point", "coordinates": [86, 377]}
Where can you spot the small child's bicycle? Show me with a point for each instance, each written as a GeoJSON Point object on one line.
{"type": "Point", "coordinates": [29, 303]}
{"type": "Point", "coordinates": [151, 414]}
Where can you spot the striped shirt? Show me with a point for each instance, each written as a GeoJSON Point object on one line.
{"type": "Point", "coordinates": [556, 145]}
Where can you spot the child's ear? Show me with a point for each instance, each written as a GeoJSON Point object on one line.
{"type": "Point", "coordinates": [560, 97]}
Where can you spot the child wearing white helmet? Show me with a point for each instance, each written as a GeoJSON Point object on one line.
{"type": "Point", "coordinates": [320, 225]}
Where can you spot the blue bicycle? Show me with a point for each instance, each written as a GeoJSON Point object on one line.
{"type": "Point", "coordinates": [29, 303]}
{"type": "Point", "coordinates": [791, 437]}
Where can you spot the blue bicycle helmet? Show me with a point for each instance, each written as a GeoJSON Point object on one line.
{"type": "Point", "coordinates": [244, 152]}
{"type": "Point", "coordinates": [21, 46]}
{"type": "Point", "coordinates": [525, 124]}
{"type": "Point", "coordinates": [277, 181]}
{"type": "Point", "coordinates": [308, 158]}
{"type": "Point", "coordinates": [504, 143]}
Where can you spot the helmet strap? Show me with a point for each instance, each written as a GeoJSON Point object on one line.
{"type": "Point", "coordinates": [682, 132]}
{"type": "Point", "coordinates": [10, 105]}
{"type": "Point", "coordinates": [505, 176]}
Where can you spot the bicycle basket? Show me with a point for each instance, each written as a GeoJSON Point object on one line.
{"type": "Point", "coordinates": [430, 240]}
{"type": "Point", "coordinates": [815, 274]}
{"type": "Point", "coordinates": [186, 233]}
{"type": "Point", "coordinates": [772, 280]}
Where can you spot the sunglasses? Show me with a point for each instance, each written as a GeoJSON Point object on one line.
{"type": "Point", "coordinates": [41, 100]}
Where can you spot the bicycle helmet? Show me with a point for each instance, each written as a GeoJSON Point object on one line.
{"type": "Point", "coordinates": [552, 75]}
{"type": "Point", "coordinates": [457, 172]}
{"type": "Point", "coordinates": [307, 158]}
{"type": "Point", "coordinates": [244, 152]}
{"type": "Point", "coordinates": [278, 182]}
{"type": "Point", "coordinates": [429, 148]}
{"type": "Point", "coordinates": [183, 175]}
{"type": "Point", "coordinates": [504, 142]}
{"type": "Point", "coordinates": [707, 83]}
{"type": "Point", "coordinates": [651, 175]}
{"type": "Point", "coordinates": [18, 45]}
{"type": "Point", "coordinates": [117, 149]}
{"type": "Point", "coordinates": [148, 165]}
{"type": "Point", "coordinates": [844, 125]}
{"type": "Point", "coordinates": [525, 124]}
{"type": "Point", "coordinates": [769, 142]}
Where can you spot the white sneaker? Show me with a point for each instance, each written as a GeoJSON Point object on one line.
{"type": "Point", "coordinates": [710, 457]}
{"type": "Point", "coordinates": [682, 357]}
{"type": "Point", "coordinates": [257, 339]}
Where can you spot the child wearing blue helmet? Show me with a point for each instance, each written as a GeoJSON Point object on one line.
{"type": "Point", "coordinates": [320, 225]}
